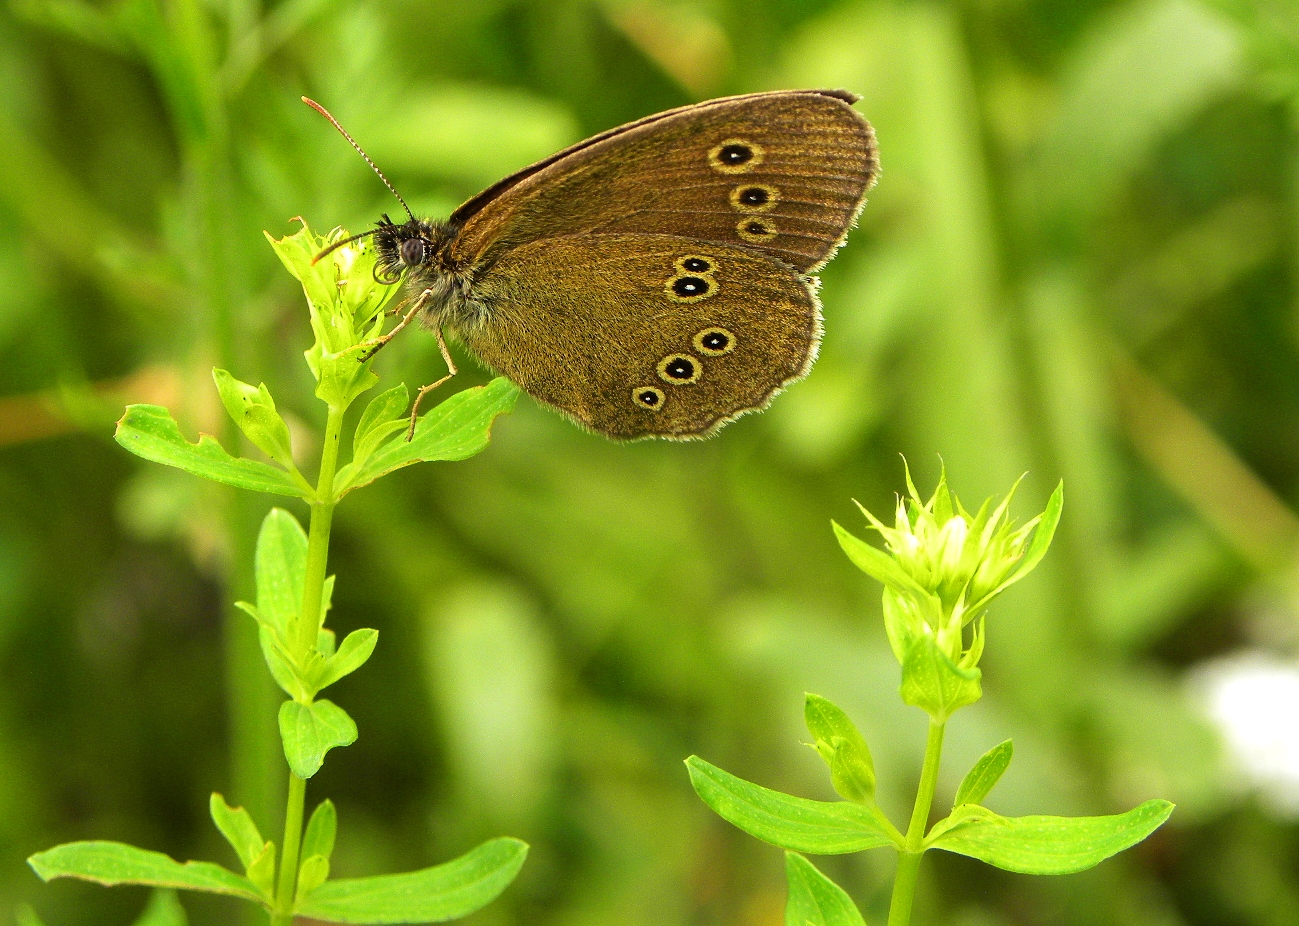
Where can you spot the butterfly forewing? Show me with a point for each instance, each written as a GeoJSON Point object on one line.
{"type": "Point", "coordinates": [781, 173]}
{"type": "Point", "coordinates": [646, 335]}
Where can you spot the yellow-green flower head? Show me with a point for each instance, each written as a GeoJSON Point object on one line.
{"type": "Point", "coordinates": [962, 559]}
{"type": "Point", "coordinates": [942, 566]}
{"type": "Point", "coordinates": [346, 304]}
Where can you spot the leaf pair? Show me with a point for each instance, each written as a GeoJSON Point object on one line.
{"type": "Point", "coordinates": [443, 892]}
{"type": "Point", "coordinates": [308, 728]}
{"type": "Point", "coordinates": [1030, 845]}
{"type": "Point", "coordinates": [454, 429]}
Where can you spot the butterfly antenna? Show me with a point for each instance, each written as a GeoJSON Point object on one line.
{"type": "Point", "coordinates": [324, 112]}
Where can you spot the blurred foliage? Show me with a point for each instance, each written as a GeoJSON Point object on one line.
{"type": "Point", "coordinates": [1080, 261]}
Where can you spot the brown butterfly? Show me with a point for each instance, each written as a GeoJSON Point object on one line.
{"type": "Point", "coordinates": [657, 279]}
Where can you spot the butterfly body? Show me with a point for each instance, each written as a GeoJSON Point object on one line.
{"type": "Point", "coordinates": [657, 279]}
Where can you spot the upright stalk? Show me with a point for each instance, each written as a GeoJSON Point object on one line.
{"type": "Point", "coordinates": [304, 640]}
{"type": "Point", "coordinates": [904, 882]}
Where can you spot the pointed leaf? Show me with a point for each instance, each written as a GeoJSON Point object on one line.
{"type": "Point", "coordinates": [985, 774]}
{"type": "Point", "coordinates": [815, 900]}
{"type": "Point", "coordinates": [843, 748]}
{"type": "Point", "coordinates": [308, 731]}
{"type": "Point", "coordinates": [818, 827]}
{"type": "Point", "coordinates": [443, 892]}
{"type": "Point", "coordinates": [280, 666]}
{"type": "Point", "coordinates": [261, 871]}
{"type": "Point", "coordinates": [313, 872]}
{"type": "Point", "coordinates": [319, 837]}
{"type": "Point", "coordinates": [149, 431]}
{"type": "Point", "coordinates": [383, 417]}
{"type": "Point", "coordinates": [1043, 845]}
{"type": "Point", "coordinates": [280, 566]}
{"type": "Point", "coordinates": [112, 863]}
{"type": "Point", "coordinates": [876, 563]}
{"type": "Point", "coordinates": [237, 826]}
{"type": "Point", "coordinates": [934, 683]}
{"type": "Point", "coordinates": [253, 409]}
{"type": "Point", "coordinates": [352, 654]}
{"type": "Point", "coordinates": [452, 430]}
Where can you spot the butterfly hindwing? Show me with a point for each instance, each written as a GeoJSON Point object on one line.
{"type": "Point", "coordinates": [638, 335]}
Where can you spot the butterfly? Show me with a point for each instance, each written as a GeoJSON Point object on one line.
{"type": "Point", "coordinates": [657, 279]}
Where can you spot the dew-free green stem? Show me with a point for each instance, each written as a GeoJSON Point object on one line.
{"type": "Point", "coordinates": [904, 882]}
{"type": "Point", "coordinates": [322, 517]}
{"type": "Point", "coordinates": [304, 640]}
{"type": "Point", "coordinates": [287, 885]}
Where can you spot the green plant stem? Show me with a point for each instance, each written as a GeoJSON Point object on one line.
{"type": "Point", "coordinates": [322, 517]}
{"type": "Point", "coordinates": [904, 881]}
{"type": "Point", "coordinates": [288, 880]}
{"type": "Point", "coordinates": [304, 641]}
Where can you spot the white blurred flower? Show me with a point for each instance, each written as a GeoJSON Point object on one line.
{"type": "Point", "coordinates": [1253, 700]}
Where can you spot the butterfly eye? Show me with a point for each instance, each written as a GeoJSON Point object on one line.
{"type": "Point", "coordinates": [735, 156]}
{"type": "Point", "coordinates": [756, 230]}
{"type": "Point", "coordinates": [679, 369]}
{"type": "Point", "coordinates": [690, 288]}
{"type": "Point", "coordinates": [713, 342]}
{"type": "Point", "coordinates": [648, 397]}
{"type": "Point", "coordinates": [414, 251]}
{"type": "Point", "coordinates": [754, 198]}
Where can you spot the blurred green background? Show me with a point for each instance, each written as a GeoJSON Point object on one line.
{"type": "Point", "coordinates": [1080, 261]}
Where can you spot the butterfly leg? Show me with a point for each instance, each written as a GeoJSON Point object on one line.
{"type": "Point", "coordinates": [405, 320]}
{"type": "Point", "coordinates": [425, 390]}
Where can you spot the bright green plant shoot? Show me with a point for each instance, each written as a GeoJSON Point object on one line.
{"type": "Point", "coordinates": [941, 570]}
{"type": "Point", "coordinates": [293, 596]}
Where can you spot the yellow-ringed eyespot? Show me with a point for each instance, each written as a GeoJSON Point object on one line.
{"type": "Point", "coordinates": [713, 342]}
{"type": "Point", "coordinates": [695, 263]}
{"type": "Point", "coordinates": [650, 397]}
{"type": "Point", "coordinates": [735, 156]}
{"type": "Point", "coordinates": [756, 229]}
{"type": "Point", "coordinates": [679, 369]}
{"type": "Point", "coordinates": [690, 288]}
{"type": "Point", "coordinates": [754, 197]}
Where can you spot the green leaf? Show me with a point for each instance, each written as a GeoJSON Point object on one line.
{"type": "Point", "coordinates": [985, 774]}
{"type": "Point", "coordinates": [453, 430]}
{"type": "Point", "coordinates": [352, 654]}
{"type": "Point", "coordinates": [280, 567]}
{"type": "Point", "coordinates": [815, 900]}
{"type": "Point", "coordinates": [148, 431]}
{"type": "Point", "coordinates": [443, 892]}
{"type": "Point", "coordinates": [345, 376]}
{"type": "Point", "coordinates": [163, 909]}
{"type": "Point", "coordinates": [876, 563]}
{"type": "Point", "coordinates": [934, 683]}
{"type": "Point", "coordinates": [281, 667]}
{"type": "Point", "coordinates": [253, 409]}
{"type": "Point", "coordinates": [383, 417]}
{"type": "Point", "coordinates": [261, 871]}
{"type": "Point", "coordinates": [818, 827]}
{"type": "Point", "coordinates": [313, 872]}
{"type": "Point", "coordinates": [1047, 845]}
{"type": "Point", "coordinates": [113, 863]}
{"type": "Point", "coordinates": [319, 837]}
{"type": "Point", "coordinates": [237, 826]}
{"type": "Point", "coordinates": [308, 731]}
{"type": "Point", "coordinates": [843, 748]}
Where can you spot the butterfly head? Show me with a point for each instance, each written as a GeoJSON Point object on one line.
{"type": "Point", "coordinates": [413, 246]}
